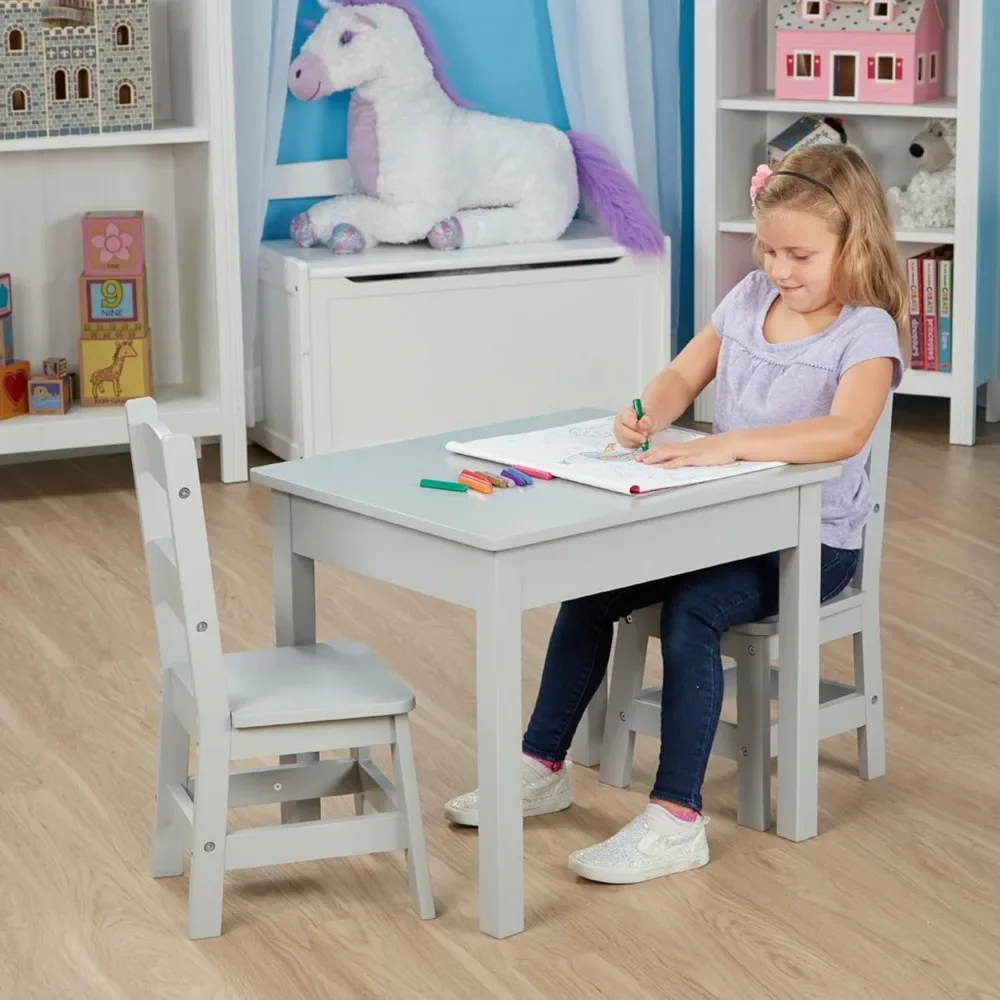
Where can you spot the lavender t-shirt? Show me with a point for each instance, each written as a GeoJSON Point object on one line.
{"type": "Point", "coordinates": [759, 384]}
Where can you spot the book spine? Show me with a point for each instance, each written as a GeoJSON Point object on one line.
{"type": "Point", "coordinates": [944, 314]}
{"type": "Point", "coordinates": [916, 337]}
{"type": "Point", "coordinates": [930, 314]}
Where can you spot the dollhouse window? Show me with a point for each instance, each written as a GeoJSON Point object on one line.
{"type": "Point", "coordinates": [920, 69]}
{"type": "Point", "coordinates": [885, 68]}
{"type": "Point", "coordinates": [18, 101]}
{"type": "Point", "coordinates": [812, 10]}
{"type": "Point", "coordinates": [123, 36]}
{"type": "Point", "coordinates": [881, 10]}
{"type": "Point", "coordinates": [125, 95]}
{"type": "Point", "coordinates": [934, 67]}
{"type": "Point", "coordinates": [83, 84]}
{"type": "Point", "coordinates": [805, 65]}
{"type": "Point", "coordinates": [59, 87]}
{"type": "Point", "coordinates": [15, 40]}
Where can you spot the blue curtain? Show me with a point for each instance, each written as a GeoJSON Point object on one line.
{"type": "Point", "coordinates": [627, 72]}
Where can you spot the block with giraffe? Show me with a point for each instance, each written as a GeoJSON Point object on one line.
{"type": "Point", "coordinates": [113, 371]}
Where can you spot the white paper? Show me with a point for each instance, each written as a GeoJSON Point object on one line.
{"type": "Point", "coordinates": [587, 453]}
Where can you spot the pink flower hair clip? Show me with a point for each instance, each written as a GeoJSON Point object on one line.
{"type": "Point", "coordinates": [758, 181]}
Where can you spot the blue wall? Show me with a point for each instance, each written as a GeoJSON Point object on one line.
{"type": "Point", "coordinates": [498, 55]}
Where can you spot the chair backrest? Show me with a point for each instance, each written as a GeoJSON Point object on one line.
{"type": "Point", "coordinates": [181, 589]}
{"type": "Point", "coordinates": [866, 577]}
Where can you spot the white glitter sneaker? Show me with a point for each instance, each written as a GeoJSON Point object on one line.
{"type": "Point", "coordinates": [638, 853]}
{"type": "Point", "coordinates": [540, 795]}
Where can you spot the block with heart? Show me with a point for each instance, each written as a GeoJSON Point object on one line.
{"type": "Point", "coordinates": [14, 389]}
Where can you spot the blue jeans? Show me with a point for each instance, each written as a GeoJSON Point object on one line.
{"type": "Point", "coordinates": [698, 608]}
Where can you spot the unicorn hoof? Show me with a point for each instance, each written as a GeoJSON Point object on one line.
{"type": "Point", "coordinates": [447, 235]}
{"type": "Point", "coordinates": [303, 232]}
{"type": "Point", "coordinates": [346, 239]}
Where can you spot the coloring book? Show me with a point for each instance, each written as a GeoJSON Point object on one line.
{"type": "Point", "coordinates": [587, 453]}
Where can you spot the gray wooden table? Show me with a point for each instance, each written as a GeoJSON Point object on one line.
{"type": "Point", "coordinates": [517, 549]}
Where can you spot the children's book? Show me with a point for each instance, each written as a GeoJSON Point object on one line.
{"type": "Point", "coordinates": [930, 339]}
{"type": "Point", "coordinates": [945, 265]}
{"type": "Point", "coordinates": [914, 278]}
{"type": "Point", "coordinates": [587, 453]}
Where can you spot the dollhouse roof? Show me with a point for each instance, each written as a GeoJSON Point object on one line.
{"type": "Point", "coordinates": [853, 17]}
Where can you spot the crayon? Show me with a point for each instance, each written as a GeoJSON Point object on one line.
{"type": "Point", "coordinates": [498, 481]}
{"type": "Point", "coordinates": [475, 483]}
{"type": "Point", "coordinates": [637, 406]}
{"type": "Point", "coordinates": [438, 484]}
{"type": "Point", "coordinates": [534, 473]}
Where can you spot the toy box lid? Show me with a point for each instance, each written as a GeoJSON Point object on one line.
{"type": "Point", "coordinates": [583, 241]}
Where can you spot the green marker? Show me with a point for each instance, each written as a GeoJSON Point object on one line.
{"type": "Point", "coordinates": [440, 484]}
{"type": "Point", "coordinates": [637, 404]}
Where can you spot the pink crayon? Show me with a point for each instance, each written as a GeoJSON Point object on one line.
{"type": "Point", "coordinates": [534, 473]}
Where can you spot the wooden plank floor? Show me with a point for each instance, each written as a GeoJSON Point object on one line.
{"type": "Point", "coordinates": [897, 897]}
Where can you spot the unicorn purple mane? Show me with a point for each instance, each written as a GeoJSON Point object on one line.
{"type": "Point", "coordinates": [426, 166]}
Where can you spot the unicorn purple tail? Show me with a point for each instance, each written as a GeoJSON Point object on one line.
{"type": "Point", "coordinates": [614, 197]}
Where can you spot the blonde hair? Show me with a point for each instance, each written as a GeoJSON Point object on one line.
{"type": "Point", "coordinates": [867, 271]}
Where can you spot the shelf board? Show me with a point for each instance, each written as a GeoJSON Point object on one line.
{"type": "Point", "coordinates": [946, 107]}
{"type": "Point", "coordinates": [99, 426]}
{"type": "Point", "coordinates": [919, 383]}
{"type": "Point", "coordinates": [165, 134]}
{"type": "Point", "coordinates": [932, 236]}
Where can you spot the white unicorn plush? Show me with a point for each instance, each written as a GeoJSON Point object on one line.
{"type": "Point", "coordinates": [427, 167]}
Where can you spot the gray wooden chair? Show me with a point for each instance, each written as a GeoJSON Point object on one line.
{"type": "Point", "coordinates": [752, 740]}
{"type": "Point", "coordinates": [283, 702]}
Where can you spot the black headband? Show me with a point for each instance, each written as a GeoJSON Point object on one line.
{"type": "Point", "coordinates": [810, 180]}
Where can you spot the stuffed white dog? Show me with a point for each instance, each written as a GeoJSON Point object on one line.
{"type": "Point", "coordinates": [928, 201]}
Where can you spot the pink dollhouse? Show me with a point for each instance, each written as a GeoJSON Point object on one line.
{"type": "Point", "coordinates": [875, 51]}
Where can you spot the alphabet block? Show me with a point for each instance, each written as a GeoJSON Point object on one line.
{"type": "Point", "coordinates": [6, 295]}
{"type": "Point", "coordinates": [113, 371]}
{"type": "Point", "coordinates": [113, 308]}
{"type": "Point", "coordinates": [6, 340]}
{"type": "Point", "coordinates": [49, 394]}
{"type": "Point", "coordinates": [113, 244]}
{"type": "Point", "coordinates": [14, 389]}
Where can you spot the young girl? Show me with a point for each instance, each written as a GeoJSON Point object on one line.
{"type": "Point", "coordinates": [804, 353]}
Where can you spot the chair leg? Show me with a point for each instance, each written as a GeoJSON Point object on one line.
{"type": "Point", "coordinates": [586, 748]}
{"type": "Point", "coordinates": [405, 773]}
{"type": "Point", "coordinates": [753, 724]}
{"type": "Point", "coordinates": [618, 746]}
{"type": "Point", "coordinates": [868, 681]}
{"type": "Point", "coordinates": [359, 755]}
{"type": "Point", "coordinates": [171, 769]}
{"type": "Point", "coordinates": [208, 844]}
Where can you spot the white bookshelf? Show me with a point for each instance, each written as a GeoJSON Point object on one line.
{"type": "Point", "coordinates": [736, 114]}
{"type": "Point", "coordinates": [182, 174]}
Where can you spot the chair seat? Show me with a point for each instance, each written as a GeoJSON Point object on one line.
{"type": "Point", "coordinates": [846, 600]}
{"type": "Point", "coordinates": [324, 682]}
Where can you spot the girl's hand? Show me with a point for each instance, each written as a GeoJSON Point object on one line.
{"type": "Point", "coordinates": [714, 449]}
{"type": "Point", "coordinates": [630, 431]}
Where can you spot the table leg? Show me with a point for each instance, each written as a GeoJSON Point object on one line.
{"type": "Point", "coordinates": [498, 717]}
{"type": "Point", "coordinates": [798, 676]}
{"type": "Point", "coordinates": [294, 623]}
